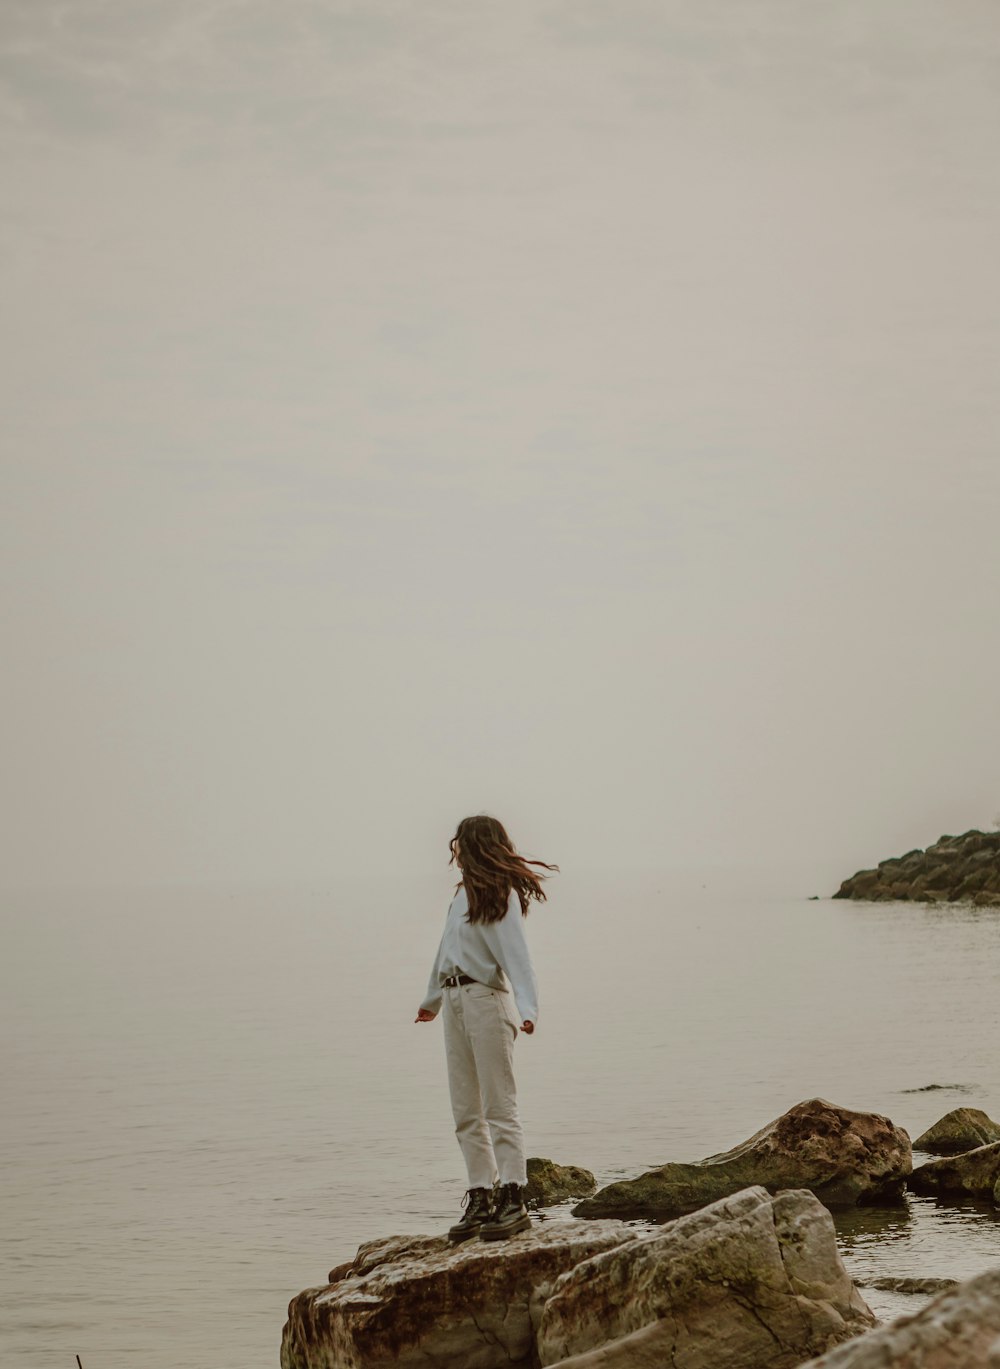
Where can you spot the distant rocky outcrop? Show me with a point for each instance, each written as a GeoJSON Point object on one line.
{"type": "Point", "coordinates": [752, 1282]}
{"type": "Point", "coordinates": [844, 1157]}
{"type": "Point", "coordinates": [959, 1329]}
{"type": "Point", "coordinates": [549, 1183]}
{"type": "Point", "coordinates": [976, 1172]}
{"type": "Point", "coordinates": [960, 1130]}
{"type": "Point", "coordinates": [963, 869]}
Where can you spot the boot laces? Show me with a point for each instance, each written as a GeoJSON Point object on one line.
{"type": "Point", "coordinates": [475, 1198]}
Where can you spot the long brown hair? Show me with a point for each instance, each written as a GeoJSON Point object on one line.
{"type": "Point", "coordinates": [491, 868]}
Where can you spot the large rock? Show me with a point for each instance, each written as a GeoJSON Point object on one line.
{"type": "Point", "coordinates": [844, 1157]}
{"type": "Point", "coordinates": [961, 1129]}
{"type": "Point", "coordinates": [963, 869]}
{"type": "Point", "coordinates": [752, 1282]}
{"type": "Point", "coordinates": [959, 1329]}
{"type": "Point", "coordinates": [419, 1300]}
{"type": "Point", "coordinates": [976, 1172]}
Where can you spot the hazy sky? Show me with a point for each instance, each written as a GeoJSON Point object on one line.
{"type": "Point", "coordinates": [582, 412]}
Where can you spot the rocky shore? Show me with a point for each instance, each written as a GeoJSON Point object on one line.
{"type": "Point", "coordinates": [746, 1278]}
{"type": "Point", "coordinates": [963, 869]}
{"type": "Point", "coordinates": [749, 1280]}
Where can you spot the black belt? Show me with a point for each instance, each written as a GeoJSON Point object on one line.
{"type": "Point", "coordinates": [453, 981]}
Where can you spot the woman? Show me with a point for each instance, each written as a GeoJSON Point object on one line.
{"type": "Point", "coordinates": [481, 964]}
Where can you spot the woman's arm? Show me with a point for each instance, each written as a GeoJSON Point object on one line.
{"type": "Point", "coordinates": [508, 944]}
{"type": "Point", "coordinates": [432, 1000]}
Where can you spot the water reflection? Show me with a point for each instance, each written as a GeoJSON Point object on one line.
{"type": "Point", "coordinates": [926, 1238]}
{"type": "Point", "coordinates": [857, 1226]}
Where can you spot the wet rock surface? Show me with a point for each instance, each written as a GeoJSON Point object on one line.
{"type": "Point", "coordinates": [959, 869]}
{"type": "Point", "coordinates": [903, 1284]}
{"type": "Point", "coordinates": [844, 1157]}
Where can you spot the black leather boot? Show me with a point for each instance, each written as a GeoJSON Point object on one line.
{"type": "Point", "coordinates": [478, 1209]}
{"type": "Point", "coordinates": [509, 1215]}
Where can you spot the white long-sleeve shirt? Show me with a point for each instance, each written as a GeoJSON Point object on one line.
{"type": "Point", "coordinates": [495, 953]}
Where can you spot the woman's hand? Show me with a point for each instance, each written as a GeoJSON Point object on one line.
{"type": "Point", "coordinates": [424, 1016]}
{"type": "Point", "coordinates": [527, 1028]}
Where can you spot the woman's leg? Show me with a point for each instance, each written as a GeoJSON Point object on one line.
{"type": "Point", "coordinates": [492, 1030]}
{"type": "Point", "coordinates": [463, 1085]}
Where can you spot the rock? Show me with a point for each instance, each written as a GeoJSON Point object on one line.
{"type": "Point", "coordinates": [844, 1157]}
{"type": "Point", "coordinates": [935, 896]}
{"type": "Point", "coordinates": [961, 1129]}
{"type": "Point", "coordinates": [941, 1088]}
{"type": "Point", "coordinates": [859, 885]}
{"type": "Point", "coordinates": [550, 1183]}
{"type": "Point", "coordinates": [976, 1172]}
{"type": "Point", "coordinates": [904, 1285]}
{"type": "Point", "coordinates": [750, 1281]}
{"type": "Point", "coordinates": [955, 869]}
{"type": "Point", "coordinates": [419, 1300]}
{"type": "Point", "coordinates": [959, 1329]}
{"type": "Point", "coordinates": [973, 883]}
{"type": "Point", "coordinates": [882, 893]}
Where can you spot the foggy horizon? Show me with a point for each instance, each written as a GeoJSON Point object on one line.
{"type": "Point", "coordinates": [587, 416]}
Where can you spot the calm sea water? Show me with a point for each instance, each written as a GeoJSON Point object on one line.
{"type": "Point", "coordinates": [209, 1098]}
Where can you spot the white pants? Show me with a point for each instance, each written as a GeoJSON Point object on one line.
{"type": "Point", "coordinates": [479, 1030]}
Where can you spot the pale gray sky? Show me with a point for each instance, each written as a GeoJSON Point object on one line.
{"type": "Point", "coordinates": [581, 412]}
